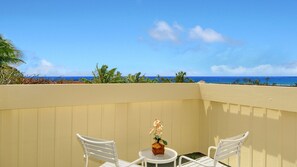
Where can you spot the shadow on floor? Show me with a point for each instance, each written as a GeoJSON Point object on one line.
{"type": "Point", "coordinates": [194, 155]}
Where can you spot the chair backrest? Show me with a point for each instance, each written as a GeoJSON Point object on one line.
{"type": "Point", "coordinates": [229, 147]}
{"type": "Point", "coordinates": [99, 149]}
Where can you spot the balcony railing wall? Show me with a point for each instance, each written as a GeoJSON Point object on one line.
{"type": "Point", "coordinates": [38, 123]}
{"type": "Point", "coordinates": [269, 113]}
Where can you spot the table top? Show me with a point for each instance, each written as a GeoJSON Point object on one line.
{"type": "Point", "coordinates": [168, 156]}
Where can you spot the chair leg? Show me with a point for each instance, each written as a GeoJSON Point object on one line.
{"type": "Point", "coordinates": [87, 161]}
{"type": "Point", "coordinates": [238, 160]}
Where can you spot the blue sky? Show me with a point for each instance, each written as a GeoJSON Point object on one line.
{"type": "Point", "coordinates": [200, 37]}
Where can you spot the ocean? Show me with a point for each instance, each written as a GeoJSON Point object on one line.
{"type": "Point", "coordinates": [277, 80]}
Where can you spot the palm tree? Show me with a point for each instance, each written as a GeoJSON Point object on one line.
{"type": "Point", "coordinates": [137, 78]}
{"type": "Point", "coordinates": [103, 75]}
{"type": "Point", "coordinates": [180, 77]}
{"type": "Point", "coordinates": [8, 53]}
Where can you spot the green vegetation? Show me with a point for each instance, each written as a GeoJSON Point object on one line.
{"type": "Point", "coordinates": [9, 55]}
{"type": "Point", "coordinates": [180, 77]}
{"type": "Point", "coordinates": [249, 81]}
{"type": "Point", "coordinates": [137, 78]}
{"type": "Point", "coordinates": [104, 75]}
{"type": "Point", "coordinates": [10, 75]}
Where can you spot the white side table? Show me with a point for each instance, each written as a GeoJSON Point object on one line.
{"type": "Point", "coordinates": [170, 155]}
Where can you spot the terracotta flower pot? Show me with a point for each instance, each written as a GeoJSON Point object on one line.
{"type": "Point", "coordinates": [158, 148]}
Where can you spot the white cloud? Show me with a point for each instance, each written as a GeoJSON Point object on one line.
{"type": "Point", "coordinates": [45, 68]}
{"type": "Point", "coordinates": [206, 35]}
{"type": "Point", "coordinates": [178, 27]}
{"type": "Point", "coordinates": [39, 66]}
{"type": "Point", "coordinates": [264, 69]}
{"type": "Point", "coordinates": [162, 31]}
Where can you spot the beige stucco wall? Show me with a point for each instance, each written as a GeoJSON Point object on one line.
{"type": "Point", "coordinates": [38, 122]}
{"type": "Point", "coordinates": [269, 113]}
{"type": "Point", "coordinates": [35, 96]}
{"type": "Point", "coordinates": [273, 97]}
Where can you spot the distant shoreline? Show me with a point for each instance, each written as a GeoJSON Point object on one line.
{"type": "Point", "coordinates": [278, 80]}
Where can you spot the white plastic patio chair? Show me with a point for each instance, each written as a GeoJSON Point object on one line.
{"type": "Point", "coordinates": [105, 151]}
{"type": "Point", "coordinates": [225, 149]}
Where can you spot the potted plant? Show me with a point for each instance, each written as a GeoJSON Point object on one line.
{"type": "Point", "coordinates": [159, 146]}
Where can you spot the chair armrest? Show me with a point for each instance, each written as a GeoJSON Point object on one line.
{"type": "Point", "coordinates": [191, 160]}
{"type": "Point", "coordinates": [136, 161]}
{"type": "Point", "coordinates": [209, 149]}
